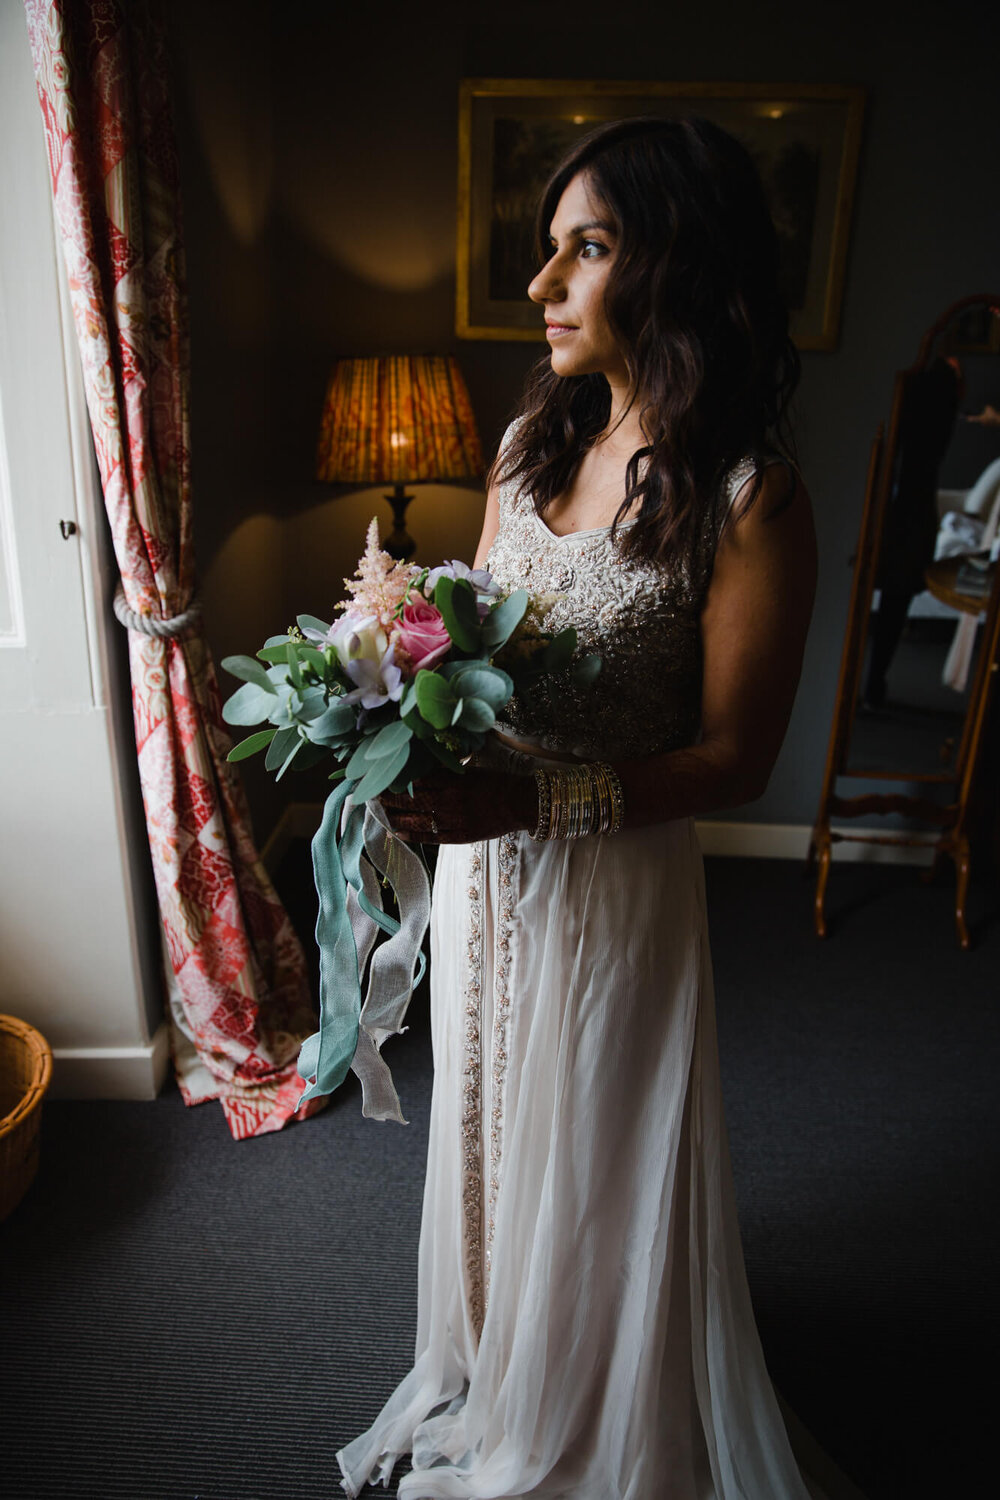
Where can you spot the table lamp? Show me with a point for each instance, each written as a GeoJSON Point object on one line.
{"type": "Point", "coordinates": [399, 419]}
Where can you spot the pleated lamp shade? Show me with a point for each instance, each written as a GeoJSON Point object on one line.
{"type": "Point", "coordinates": [398, 418]}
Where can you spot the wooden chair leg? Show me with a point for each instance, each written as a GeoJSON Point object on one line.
{"type": "Point", "coordinates": [823, 851]}
{"type": "Point", "coordinates": [963, 867]}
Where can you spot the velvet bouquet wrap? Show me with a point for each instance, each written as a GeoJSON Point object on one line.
{"type": "Point", "coordinates": [409, 678]}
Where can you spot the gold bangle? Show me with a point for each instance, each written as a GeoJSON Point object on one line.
{"type": "Point", "coordinates": [543, 828]}
{"type": "Point", "coordinates": [578, 800]}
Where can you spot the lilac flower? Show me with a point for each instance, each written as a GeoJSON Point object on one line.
{"type": "Point", "coordinates": [480, 579]}
{"type": "Point", "coordinates": [377, 682]}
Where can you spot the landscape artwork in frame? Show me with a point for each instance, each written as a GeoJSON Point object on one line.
{"type": "Point", "coordinates": [805, 140]}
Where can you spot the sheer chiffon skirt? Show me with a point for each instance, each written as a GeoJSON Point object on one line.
{"type": "Point", "coordinates": [584, 1326]}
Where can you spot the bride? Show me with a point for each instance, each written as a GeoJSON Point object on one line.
{"type": "Point", "coordinates": [585, 1327]}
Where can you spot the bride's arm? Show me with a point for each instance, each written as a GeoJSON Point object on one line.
{"type": "Point", "coordinates": [491, 525]}
{"type": "Point", "coordinates": [753, 635]}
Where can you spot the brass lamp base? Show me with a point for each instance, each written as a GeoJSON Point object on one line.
{"type": "Point", "coordinates": [399, 543]}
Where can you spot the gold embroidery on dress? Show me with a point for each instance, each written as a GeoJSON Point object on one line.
{"type": "Point", "coordinates": [508, 869]}
{"type": "Point", "coordinates": [472, 1122]}
{"type": "Point", "coordinates": [642, 618]}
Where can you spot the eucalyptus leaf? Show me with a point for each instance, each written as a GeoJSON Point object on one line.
{"type": "Point", "coordinates": [419, 726]}
{"type": "Point", "coordinates": [457, 602]}
{"type": "Point", "coordinates": [283, 741]}
{"type": "Point", "coordinates": [337, 720]}
{"type": "Point", "coordinates": [477, 715]}
{"type": "Point", "coordinates": [384, 770]}
{"type": "Point", "coordinates": [435, 698]}
{"type": "Point", "coordinates": [312, 704]}
{"type": "Point", "coordinates": [484, 682]}
{"type": "Point", "coordinates": [310, 622]}
{"type": "Point", "coordinates": [250, 704]}
{"type": "Point", "coordinates": [451, 669]}
{"type": "Point", "coordinates": [293, 664]}
{"type": "Point", "coordinates": [293, 752]}
{"type": "Point", "coordinates": [465, 604]}
{"type": "Point", "coordinates": [408, 702]}
{"type": "Point", "coordinates": [251, 744]}
{"type": "Point", "coordinates": [312, 656]}
{"type": "Point", "coordinates": [389, 740]}
{"type": "Point", "coordinates": [360, 763]}
{"type": "Point", "coordinates": [275, 652]}
{"type": "Point", "coordinates": [249, 670]}
{"type": "Point", "coordinates": [503, 620]}
{"type": "Point", "coordinates": [282, 710]}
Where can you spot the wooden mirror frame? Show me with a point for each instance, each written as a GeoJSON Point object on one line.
{"type": "Point", "coordinates": [951, 819]}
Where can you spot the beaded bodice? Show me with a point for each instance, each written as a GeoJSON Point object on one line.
{"type": "Point", "coordinates": [641, 618]}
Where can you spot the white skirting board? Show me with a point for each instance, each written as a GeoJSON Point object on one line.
{"type": "Point", "coordinates": [300, 820]}
{"type": "Point", "coordinates": [111, 1072]}
{"type": "Point", "coordinates": [791, 841]}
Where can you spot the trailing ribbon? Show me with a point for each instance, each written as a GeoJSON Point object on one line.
{"type": "Point", "coordinates": [352, 849]}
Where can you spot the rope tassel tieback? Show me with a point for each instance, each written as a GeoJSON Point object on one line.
{"type": "Point", "coordinates": [174, 629]}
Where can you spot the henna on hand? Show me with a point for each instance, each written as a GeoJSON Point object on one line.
{"type": "Point", "coordinates": [447, 809]}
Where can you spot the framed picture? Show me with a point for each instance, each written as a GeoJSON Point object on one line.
{"type": "Point", "coordinates": [805, 140]}
{"type": "Point", "coordinates": [976, 330]}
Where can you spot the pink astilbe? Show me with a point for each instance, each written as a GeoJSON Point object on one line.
{"type": "Point", "coordinates": [380, 584]}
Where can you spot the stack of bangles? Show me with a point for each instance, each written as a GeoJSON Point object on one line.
{"type": "Point", "coordinates": [576, 800]}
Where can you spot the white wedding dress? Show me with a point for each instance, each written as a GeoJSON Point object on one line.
{"type": "Point", "coordinates": [585, 1329]}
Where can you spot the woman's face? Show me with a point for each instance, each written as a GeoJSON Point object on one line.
{"type": "Point", "coordinates": [571, 285]}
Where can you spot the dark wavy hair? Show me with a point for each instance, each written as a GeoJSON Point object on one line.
{"type": "Point", "coordinates": [693, 299]}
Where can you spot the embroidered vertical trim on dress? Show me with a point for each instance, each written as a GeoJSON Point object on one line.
{"type": "Point", "coordinates": [472, 1094]}
{"type": "Point", "coordinates": [508, 872]}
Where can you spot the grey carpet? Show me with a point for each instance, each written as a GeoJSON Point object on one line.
{"type": "Point", "coordinates": [189, 1318]}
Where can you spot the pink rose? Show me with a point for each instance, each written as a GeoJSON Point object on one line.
{"type": "Point", "coordinates": [422, 634]}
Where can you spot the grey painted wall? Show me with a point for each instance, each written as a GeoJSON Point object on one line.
{"type": "Point", "coordinates": [319, 161]}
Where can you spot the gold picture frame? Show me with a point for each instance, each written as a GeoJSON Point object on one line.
{"type": "Point", "coordinates": [806, 139]}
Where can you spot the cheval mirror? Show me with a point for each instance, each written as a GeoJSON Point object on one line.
{"type": "Point", "coordinates": [920, 650]}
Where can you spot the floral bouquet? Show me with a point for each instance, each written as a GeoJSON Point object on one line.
{"type": "Point", "coordinates": [404, 682]}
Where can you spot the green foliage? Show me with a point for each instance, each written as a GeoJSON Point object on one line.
{"type": "Point", "coordinates": [249, 704]}
{"type": "Point", "coordinates": [436, 698]}
{"type": "Point", "coordinates": [383, 773]}
{"type": "Point", "coordinates": [284, 740]}
{"type": "Point", "coordinates": [456, 599]}
{"type": "Point", "coordinates": [476, 715]}
{"type": "Point", "coordinates": [248, 670]}
{"type": "Point", "coordinates": [503, 619]}
{"type": "Point", "coordinates": [333, 725]}
{"type": "Point", "coordinates": [310, 622]}
{"type": "Point", "coordinates": [479, 681]}
{"type": "Point", "coordinates": [251, 744]}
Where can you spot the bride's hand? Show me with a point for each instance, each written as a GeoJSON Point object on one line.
{"type": "Point", "coordinates": [449, 809]}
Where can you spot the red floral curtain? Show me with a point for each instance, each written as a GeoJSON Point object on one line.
{"type": "Point", "coordinates": [239, 996]}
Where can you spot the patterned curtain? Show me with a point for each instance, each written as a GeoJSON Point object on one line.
{"type": "Point", "coordinates": [239, 999]}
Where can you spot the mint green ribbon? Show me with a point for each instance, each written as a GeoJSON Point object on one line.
{"type": "Point", "coordinates": [352, 849]}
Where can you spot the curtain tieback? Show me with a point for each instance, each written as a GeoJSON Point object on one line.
{"type": "Point", "coordinates": [181, 625]}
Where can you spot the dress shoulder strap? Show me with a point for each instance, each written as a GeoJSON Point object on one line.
{"type": "Point", "coordinates": [745, 469]}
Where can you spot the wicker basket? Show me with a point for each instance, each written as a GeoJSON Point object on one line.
{"type": "Point", "coordinates": [25, 1070]}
